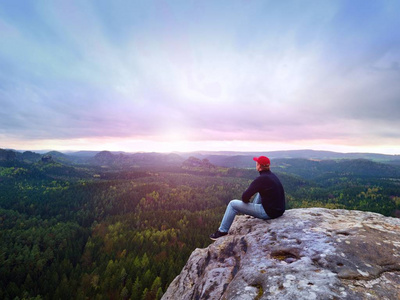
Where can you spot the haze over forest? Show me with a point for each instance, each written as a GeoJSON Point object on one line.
{"type": "Point", "coordinates": [115, 225]}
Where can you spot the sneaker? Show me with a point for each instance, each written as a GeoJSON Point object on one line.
{"type": "Point", "coordinates": [217, 235]}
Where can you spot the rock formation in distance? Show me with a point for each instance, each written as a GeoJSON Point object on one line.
{"type": "Point", "coordinates": [308, 254]}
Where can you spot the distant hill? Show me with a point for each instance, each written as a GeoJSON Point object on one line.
{"type": "Point", "coordinates": [312, 169]}
{"type": "Point", "coordinates": [11, 155]}
{"type": "Point", "coordinates": [245, 159]}
{"type": "Point", "coordinates": [230, 159]}
{"type": "Point", "coordinates": [7, 155]}
{"type": "Point", "coordinates": [107, 158]}
{"type": "Point", "coordinates": [104, 157]}
{"type": "Point", "coordinates": [220, 156]}
{"type": "Point", "coordinates": [28, 156]}
{"type": "Point", "coordinates": [59, 157]}
{"type": "Point", "coordinates": [85, 153]}
{"type": "Point", "coordinates": [159, 159]}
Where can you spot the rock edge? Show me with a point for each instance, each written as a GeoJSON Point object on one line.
{"type": "Point", "coordinates": [312, 253]}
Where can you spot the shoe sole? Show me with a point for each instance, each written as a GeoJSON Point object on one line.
{"type": "Point", "coordinates": [214, 239]}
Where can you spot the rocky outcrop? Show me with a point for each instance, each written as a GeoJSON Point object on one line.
{"type": "Point", "coordinates": [193, 162]}
{"type": "Point", "coordinates": [306, 254]}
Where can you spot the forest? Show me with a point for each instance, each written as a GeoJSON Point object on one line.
{"type": "Point", "coordinates": [101, 230]}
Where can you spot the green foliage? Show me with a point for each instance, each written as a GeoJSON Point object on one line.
{"type": "Point", "coordinates": [126, 234]}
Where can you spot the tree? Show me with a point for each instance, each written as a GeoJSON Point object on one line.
{"type": "Point", "coordinates": [145, 294]}
{"type": "Point", "coordinates": [124, 293]}
{"type": "Point", "coordinates": [137, 289]}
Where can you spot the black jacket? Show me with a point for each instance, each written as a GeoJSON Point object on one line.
{"type": "Point", "coordinates": [271, 192]}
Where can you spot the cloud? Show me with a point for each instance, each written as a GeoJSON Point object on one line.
{"type": "Point", "coordinates": [204, 71]}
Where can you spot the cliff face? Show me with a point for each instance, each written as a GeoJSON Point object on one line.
{"type": "Point", "coordinates": [306, 254]}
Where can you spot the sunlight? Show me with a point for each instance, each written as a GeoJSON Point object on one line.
{"type": "Point", "coordinates": [176, 141]}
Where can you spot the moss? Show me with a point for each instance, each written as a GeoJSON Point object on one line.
{"type": "Point", "coordinates": [260, 291]}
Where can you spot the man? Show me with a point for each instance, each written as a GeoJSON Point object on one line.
{"type": "Point", "coordinates": [269, 203]}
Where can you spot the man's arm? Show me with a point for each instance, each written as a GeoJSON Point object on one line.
{"type": "Point", "coordinates": [251, 190]}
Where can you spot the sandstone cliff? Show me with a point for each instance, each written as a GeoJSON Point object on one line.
{"type": "Point", "coordinates": [306, 254]}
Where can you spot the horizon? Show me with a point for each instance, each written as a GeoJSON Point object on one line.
{"type": "Point", "coordinates": [384, 150]}
{"type": "Point", "coordinates": [244, 76]}
{"type": "Point", "coordinates": [44, 151]}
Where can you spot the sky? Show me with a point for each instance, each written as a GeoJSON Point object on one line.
{"type": "Point", "coordinates": [144, 75]}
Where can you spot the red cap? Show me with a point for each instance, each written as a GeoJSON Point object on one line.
{"type": "Point", "coordinates": [262, 160]}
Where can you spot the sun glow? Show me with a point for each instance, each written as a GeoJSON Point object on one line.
{"type": "Point", "coordinates": [178, 142]}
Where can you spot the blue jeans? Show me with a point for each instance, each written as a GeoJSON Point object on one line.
{"type": "Point", "coordinates": [254, 209]}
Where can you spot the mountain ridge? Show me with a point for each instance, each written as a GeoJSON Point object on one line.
{"type": "Point", "coordinates": [302, 153]}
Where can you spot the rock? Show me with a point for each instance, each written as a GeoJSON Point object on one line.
{"type": "Point", "coordinates": [193, 162]}
{"type": "Point", "coordinates": [310, 253]}
{"type": "Point", "coordinates": [47, 158]}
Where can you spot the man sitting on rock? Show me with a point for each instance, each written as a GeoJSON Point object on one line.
{"type": "Point", "coordinates": [269, 203]}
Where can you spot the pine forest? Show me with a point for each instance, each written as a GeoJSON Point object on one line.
{"type": "Point", "coordinates": [103, 230]}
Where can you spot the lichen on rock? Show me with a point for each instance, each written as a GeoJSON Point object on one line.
{"type": "Point", "coordinates": [309, 253]}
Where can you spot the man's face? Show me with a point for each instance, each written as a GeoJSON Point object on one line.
{"type": "Point", "coordinates": [258, 166]}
